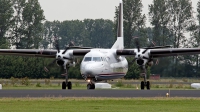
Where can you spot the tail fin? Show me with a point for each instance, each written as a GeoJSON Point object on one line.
{"type": "Point", "coordinates": [119, 44]}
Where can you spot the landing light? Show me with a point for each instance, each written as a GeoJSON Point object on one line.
{"type": "Point", "coordinates": [88, 80]}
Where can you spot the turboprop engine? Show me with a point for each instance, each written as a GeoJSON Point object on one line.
{"type": "Point", "coordinates": [63, 58]}
{"type": "Point", "coordinates": [141, 57]}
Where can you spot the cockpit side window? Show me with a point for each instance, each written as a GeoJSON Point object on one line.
{"type": "Point", "coordinates": [88, 59]}
{"type": "Point", "coordinates": [96, 59]}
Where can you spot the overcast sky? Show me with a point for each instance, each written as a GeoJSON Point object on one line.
{"type": "Point", "coordinates": [81, 9]}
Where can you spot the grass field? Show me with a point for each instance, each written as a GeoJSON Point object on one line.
{"type": "Point", "coordinates": [14, 83]}
{"type": "Point", "coordinates": [100, 105]}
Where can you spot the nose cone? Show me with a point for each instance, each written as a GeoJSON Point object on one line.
{"type": "Point", "coordinates": [92, 68]}
{"type": "Point", "coordinates": [88, 69]}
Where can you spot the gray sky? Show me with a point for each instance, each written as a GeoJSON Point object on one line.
{"type": "Point", "coordinates": [81, 9]}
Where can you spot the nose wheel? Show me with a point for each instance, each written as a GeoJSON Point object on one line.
{"type": "Point", "coordinates": [90, 86]}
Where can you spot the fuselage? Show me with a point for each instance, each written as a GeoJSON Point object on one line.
{"type": "Point", "coordinates": [103, 64]}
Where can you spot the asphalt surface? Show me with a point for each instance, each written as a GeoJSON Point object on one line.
{"type": "Point", "coordinates": [98, 93]}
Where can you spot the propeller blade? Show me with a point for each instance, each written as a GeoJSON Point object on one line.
{"type": "Point", "coordinates": [145, 57]}
{"type": "Point", "coordinates": [71, 43]}
{"type": "Point", "coordinates": [49, 65]}
{"type": "Point", "coordinates": [144, 51]}
{"type": "Point", "coordinates": [64, 71]}
{"type": "Point", "coordinates": [57, 44]}
{"type": "Point", "coordinates": [65, 50]}
{"type": "Point", "coordinates": [157, 62]}
{"type": "Point", "coordinates": [137, 43]}
{"type": "Point", "coordinates": [132, 61]}
{"type": "Point", "coordinates": [66, 58]}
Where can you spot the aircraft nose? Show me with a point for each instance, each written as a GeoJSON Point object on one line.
{"type": "Point", "coordinates": [88, 69]}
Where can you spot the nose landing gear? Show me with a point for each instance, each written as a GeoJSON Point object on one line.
{"type": "Point", "coordinates": [90, 85]}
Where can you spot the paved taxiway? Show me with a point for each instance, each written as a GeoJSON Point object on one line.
{"type": "Point", "coordinates": [98, 93]}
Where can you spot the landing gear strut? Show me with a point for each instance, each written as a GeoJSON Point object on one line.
{"type": "Point", "coordinates": [66, 83]}
{"type": "Point", "coordinates": [145, 83]}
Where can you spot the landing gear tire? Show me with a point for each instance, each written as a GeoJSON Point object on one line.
{"type": "Point", "coordinates": [142, 85]}
{"type": "Point", "coordinates": [64, 85]}
{"type": "Point", "coordinates": [148, 85]}
{"type": "Point", "coordinates": [90, 86]}
{"type": "Point", "coordinates": [69, 85]}
{"type": "Point", "coordinates": [145, 84]}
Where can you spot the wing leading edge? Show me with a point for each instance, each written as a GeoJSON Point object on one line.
{"type": "Point", "coordinates": [29, 52]}
{"type": "Point", "coordinates": [158, 53]}
{"type": "Point", "coordinates": [40, 53]}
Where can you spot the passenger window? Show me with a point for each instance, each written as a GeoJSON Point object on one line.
{"type": "Point", "coordinates": [88, 59]}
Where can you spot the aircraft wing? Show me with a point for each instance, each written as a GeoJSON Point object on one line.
{"type": "Point", "coordinates": [29, 52]}
{"type": "Point", "coordinates": [156, 53]}
{"type": "Point", "coordinates": [40, 53]}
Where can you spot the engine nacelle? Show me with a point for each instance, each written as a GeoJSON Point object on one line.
{"type": "Point", "coordinates": [140, 62]}
{"type": "Point", "coordinates": [142, 57]}
{"type": "Point", "coordinates": [65, 59]}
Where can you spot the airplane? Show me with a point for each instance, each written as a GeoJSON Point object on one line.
{"type": "Point", "coordinates": [104, 64]}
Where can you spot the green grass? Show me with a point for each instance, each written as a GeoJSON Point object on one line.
{"type": "Point", "coordinates": [83, 86]}
{"type": "Point", "coordinates": [100, 105]}
{"type": "Point", "coordinates": [15, 83]}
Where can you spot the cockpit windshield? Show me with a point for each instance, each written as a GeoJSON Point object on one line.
{"type": "Point", "coordinates": [96, 59]}
{"type": "Point", "coordinates": [93, 59]}
{"type": "Point", "coordinates": [88, 59]}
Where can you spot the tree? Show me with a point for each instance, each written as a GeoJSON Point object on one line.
{"type": "Point", "coordinates": [99, 33]}
{"type": "Point", "coordinates": [160, 18]}
{"type": "Point", "coordinates": [181, 19]}
{"type": "Point", "coordinates": [195, 42]}
{"type": "Point", "coordinates": [27, 30]}
{"type": "Point", "coordinates": [50, 31]}
{"type": "Point", "coordinates": [16, 29]}
{"type": "Point", "coordinates": [134, 21]}
{"type": "Point", "coordinates": [6, 14]}
{"type": "Point", "coordinates": [32, 24]}
{"type": "Point", "coordinates": [71, 31]}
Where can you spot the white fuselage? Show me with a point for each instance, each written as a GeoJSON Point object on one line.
{"type": "Point", "coordinates": [103, 64]}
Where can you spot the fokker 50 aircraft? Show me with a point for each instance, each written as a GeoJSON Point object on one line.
{"type": "Point", "coordinates": [104, 64]}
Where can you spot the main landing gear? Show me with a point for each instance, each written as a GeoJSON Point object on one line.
{"type": "Point", "coordinates": [66, 83]}
{"type": "Point", "coordinates": [144, 83]}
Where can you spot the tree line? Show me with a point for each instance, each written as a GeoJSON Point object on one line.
{"type": "Point", "coordinates": [23, 26]}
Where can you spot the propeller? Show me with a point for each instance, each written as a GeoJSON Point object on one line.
{"type": "Point", "coordinates": [143, 58]}
{"type": "Point", "coordinates": [54, 61]}
{"type": "Point", "coordinates": [61, 59]}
